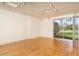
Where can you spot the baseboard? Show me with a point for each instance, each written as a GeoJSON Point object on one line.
{"type": "Point", "coordinates": [46, 37]}
{"type": "Point", "coordinates": [8, 42]}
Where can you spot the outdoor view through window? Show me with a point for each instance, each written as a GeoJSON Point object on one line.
{"type": "Point", "coordinates": [67, 28]}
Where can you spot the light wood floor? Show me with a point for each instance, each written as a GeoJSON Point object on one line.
{"type": "Point", "coordinates": [38, 47]}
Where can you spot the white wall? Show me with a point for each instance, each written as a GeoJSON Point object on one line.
{"type": "Point", "coordinates": [47, 28]}
{"type": "Point", "coordinates": [15, 27]}
{"type": "Point", "coordinates": [35, 27]}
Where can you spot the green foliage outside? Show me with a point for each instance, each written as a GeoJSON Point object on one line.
{"type": "Point", "coordinates": [67, 34]}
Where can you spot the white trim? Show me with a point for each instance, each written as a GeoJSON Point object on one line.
{"type": "Point", "coordinates": [8, 42]}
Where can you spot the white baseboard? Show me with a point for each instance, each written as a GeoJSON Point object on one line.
{"type": "Point", "coordinates": [7, 42]}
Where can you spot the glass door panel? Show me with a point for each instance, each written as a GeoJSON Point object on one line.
{"type": "Point", "coordinates": [76, 28]}
{"type": "Point", "coordinates": [68, 28]}
{"type": "Point", "coordinates": [76, 35]}
{"type": "Point", "coordinates": [58, 28]}
{"type": "Point", "coordinates": [63, 28]}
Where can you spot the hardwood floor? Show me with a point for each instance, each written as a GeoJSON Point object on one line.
{"type": "Point", "coordinates": [37, 47]}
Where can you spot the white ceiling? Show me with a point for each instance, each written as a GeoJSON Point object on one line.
{"type": "Point", "coordinates": [43, 9]}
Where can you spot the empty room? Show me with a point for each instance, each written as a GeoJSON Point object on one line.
{"type": "Point", "coordinates": [39, 28]}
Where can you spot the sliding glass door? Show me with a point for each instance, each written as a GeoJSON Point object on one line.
{"type": "Point", "coordinates": [76, 28]}
{"type": "Point", "coordinates": [68, 28]}
{"type": "Point", "coordinates": [76, 35]}
{"type": "Point", "coordinates": [63, 28]}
